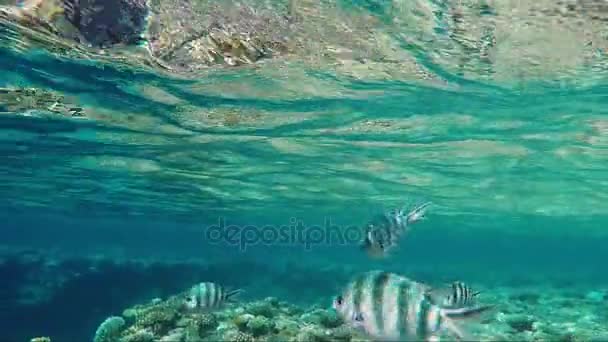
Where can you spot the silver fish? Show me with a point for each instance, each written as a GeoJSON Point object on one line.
{"type": "Point", "coordinates": [207, 296]}
{"type": "Point", "coordinates": [383, 233]}
{"type": "Point", "coordinates": [456, 295]}
{"type": "Point", "coordinates": [388, 306]}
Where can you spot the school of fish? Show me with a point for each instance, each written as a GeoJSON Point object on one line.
{"type": "Point", "coordinates": [392, 307]}
{"type": "Point", "coordinates": [385, 305]}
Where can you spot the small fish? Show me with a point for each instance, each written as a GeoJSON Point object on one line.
{"type": "Point", "coordinates": [207, 296]}
{"type": "Point", "coordinates": [457, 295]}
{"type": "Point", "coordinates": [383, 233]}
{"type": "Point", "coordinates": [389, 306]}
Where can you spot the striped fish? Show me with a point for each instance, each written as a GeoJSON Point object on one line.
{"type": "Point", "coordinates": [388, 306]}
{"type": "Point", "coordinates": [207, 296]}
{"type": "Point", "coordinates": [383, 233]}
{"type": "Point", "coordinates": [457, 295]}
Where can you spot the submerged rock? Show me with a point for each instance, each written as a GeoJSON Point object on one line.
{"type": "Point", "coordinates": [190, 35]}
{"type": "Point", "coordinates": [108, 22]}
{"type": "Point", "coordinates": [259, 326]}
{"type": "Point", "coordinates": [521, 323]}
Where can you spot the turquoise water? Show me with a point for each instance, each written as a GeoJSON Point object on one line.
{"type": "Point", "coordinates": [516, 169]}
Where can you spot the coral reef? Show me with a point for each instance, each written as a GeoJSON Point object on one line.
{"type": "Point", "coordinates": [109, 329]}
{"type": "Point", "coordinates": [268, 319]}
{"type": "Point", "coordinates": [523, 316]}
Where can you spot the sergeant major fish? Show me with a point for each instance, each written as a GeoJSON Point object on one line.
{"type": "Point", "coordinates": [383, 233]}
{"type": "Point", "coordinates": [457, 295]}
{"type": "Point", "coordinates": [207, 296]}
{"type": "Point", "coordinates": [388, 306]}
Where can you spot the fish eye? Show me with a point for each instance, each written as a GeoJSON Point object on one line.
{"type": "Point", "coordinates": [339, 300]}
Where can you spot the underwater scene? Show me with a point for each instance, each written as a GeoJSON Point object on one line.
{"type": "Point", "coordinates": [299, 170]}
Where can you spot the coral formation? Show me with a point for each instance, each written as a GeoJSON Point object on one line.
{"type": "Point", "coordinates": [527, 316]}
{"type": "Point", "coordinates": [268, 319]}
{"type": "Point", "coordinates": [109, 329]}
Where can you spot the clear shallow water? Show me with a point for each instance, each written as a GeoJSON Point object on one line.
{"type": "Point", "coordinates": [516, 168]}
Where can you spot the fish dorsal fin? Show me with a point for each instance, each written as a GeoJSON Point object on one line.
{"type": "Point", "coordinates": [229, 297]}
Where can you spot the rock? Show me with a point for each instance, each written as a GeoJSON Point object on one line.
{"type": "Point", "coordinates": [521, 323]}
{"type": "Point", "coordinates": [238, 336]}
{"type": "Point", "coordinates": [175, 335]}
{"type": "Point", "coordinates": [285, 324]}
{"type": "Point", "coordinates": [259, 326]}
{"type": "Point", "coordinates": [138, 336]}
{"type": "Point", "coordinates": [108, 22]}
{"type": "Point", "coordinates": [194, 35]}
{"type": "Point", "coordinates": [325, 318]}
{"type": "Point", "coordinates": [263, 308]}
{"type": "Point", "coordinates": [241, 321]}
{"type": "Point", "coordinates": [206, 323]}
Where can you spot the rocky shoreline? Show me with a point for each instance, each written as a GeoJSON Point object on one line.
{"type": "Point", "coordinates": [483, 40]}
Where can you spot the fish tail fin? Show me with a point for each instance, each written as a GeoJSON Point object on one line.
{"type": "Point", "coordinates": [417, 213]}
{"type": "Point", "coordinates": [230, 296]}
{"type": "Point", "coordinates": [451, 316]}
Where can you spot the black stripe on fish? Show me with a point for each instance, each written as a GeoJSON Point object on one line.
{"type": "Point", "coordinates": [379, 287]}
{"type": "Point", "coordinates": [457, 293]}
{"type": "Point", "coordinates": [207, 294]}
{"type": "Point", "coordinates": [463, 294]}
{"type": "Point", "coordinates": [197, 297]}
{"type": "Point", "coordinates": [402, 307]}
{"type": "Point", "coordinates": [357, 293]}
{"type": "Point", "coordinates": [422, 323]}
{"type": "Point", "coordinates": [218, 293]}
{"type": "Point", "coordinates": [222, 294]}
